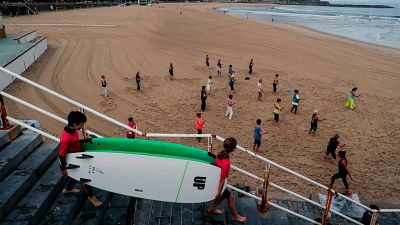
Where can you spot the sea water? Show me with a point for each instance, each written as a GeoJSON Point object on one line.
{"type": "Point", "coordinates": [373, 25]}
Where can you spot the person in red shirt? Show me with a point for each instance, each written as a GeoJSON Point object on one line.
{"type": "Point", "coordinates": [222, 160]}
{"type": "Point", "coordinates": [199, 125]}
{"type": "Point", "coordinates": [132, 124]}
{"type": "Point", "coordinates": [69, 143]}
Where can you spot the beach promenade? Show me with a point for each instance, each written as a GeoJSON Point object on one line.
{"type": "Point", "coordinates": [147, 39]}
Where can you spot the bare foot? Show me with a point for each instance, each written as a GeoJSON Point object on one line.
{"type": "Point", "coordinates": [239, 218]}
{"type": "Point", "coordinates": [215, 211]}
{"type": "Point", "coordinates": [95, 201]}
{"type": "Point", "coordinates": [73, 190]}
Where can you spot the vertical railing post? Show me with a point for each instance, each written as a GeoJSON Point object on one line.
{"type": "Point", "coordinates": [4, 120]}
{"type": "Point", "coordinates": [263, 207]}
{"type": "Point", "coordinates": [327, 206]}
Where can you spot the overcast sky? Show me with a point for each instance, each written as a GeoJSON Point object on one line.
{"type": "Point", "coordinates": [381, 2]}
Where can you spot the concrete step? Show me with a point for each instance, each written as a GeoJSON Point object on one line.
{"type": "Point", "coordinates": [120, 210]}
{"type": "Point", "coordinates": [36, 202]}
{"type": "Point", "coordinates": [63, 209]}
{"type": "Point", "coordinates": [90, 215]}
{"type": "Point", "coordinates": [7, 136]}
{"type": "Point", "coordinates": [15, 152]}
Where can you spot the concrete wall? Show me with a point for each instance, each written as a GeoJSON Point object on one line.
{"type": "Point", "coordinates": [22, 62]}
{"type": "Point", "coordinates": [26, 38]}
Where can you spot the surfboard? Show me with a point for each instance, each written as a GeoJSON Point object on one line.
{"type": "Point", "coordinates": [152, 173]}
{"type": "Point", "coordinates": [128, 145]}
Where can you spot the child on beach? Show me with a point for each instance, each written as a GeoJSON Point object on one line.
{"type": "Point", "coordinates": [69, 143]}
{"type": "Point", "coordinates": [132, 124]}
{"type": "Point", "coordinates": [209, 84]}
{"type": "Point", "coordinates": [229, 105]}
{"type": "Point", "coordinates": [275, 83]}
{"type": "Point", "coordinates": [207, 62]}
{"type": "Point", "coordinates": [351, 98]}
{"type": "Point", "coordinates": [343, 172]}
{"type": "Point", "coordinates": [104, 86]}
{"type": "Point", "coordinates": [296, 101]}
{"type": "Point", "coordinates": [203, 97]}
{"type": "Point", "coordinates": [171, 71]}
{"type": "Point", "coordinates": [222, 160]}
{"type": "Point", "coordinates": [314, 122]}
{"type": "Point", "coordinates": [251, 64]}
{"type": "Point", "coordinates": [257, 136]}
{"type": "Point", "coordinates": [260, 91]}
{"type": "Point", "coordinates": [219, 68]}
{"type": "Point", "coordinates": [199, 125]}
{"type": "Point", "coordinates": [331, 148]}
{"type": "Point", "coordinates": [138, 79]}
{"type": "Point", "coordinates": [277, 111]}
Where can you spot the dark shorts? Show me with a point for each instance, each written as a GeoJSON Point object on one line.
{"type": "Point", "coordinates": [313, 127]}
{"type": "Point", "coordinates": [257, 142]}
{"type": "Point", "coordinates": [273, 87]}
{"type": "Point", "coordinates": [332, 152]}
{"type": "Point", "coordinates": [207, 63]}
{"type": "Point", "coordinates": [260, 94]}
{"type": "Point", "coordinates": [276, 117]}
{"type": "Point", "coordinates": [226, 194]}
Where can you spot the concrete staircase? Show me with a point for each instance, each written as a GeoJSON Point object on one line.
{"type": "Point", "coordinates": [31, 193]}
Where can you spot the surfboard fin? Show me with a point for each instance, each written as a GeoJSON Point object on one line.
{"type": "Point", "coordinates": [72, 166]}
{"type": "Point", "coordinates": [85, 180]}
{"type": "Point", "coordinates": [84, 156]}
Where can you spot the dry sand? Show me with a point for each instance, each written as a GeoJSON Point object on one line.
{"type": "Point", "coordinates": [324, 68]}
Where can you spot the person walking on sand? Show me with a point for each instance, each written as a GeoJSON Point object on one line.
{"type": "Point", "coordinates": [277, 111]}
{"type": "Point", "coordinates": [209, 86]}
{"type": "Point", "coordinates": [131, 124]}
{"type": "Point", "coordinates": [203, 97]}
{"type": "Point", "coordinates": [251, 64]}
{"type": "Point", "coordinates": [260, 90]}
{"type": "Point", "coordinates": [104, 85]}
{"type": "Point", "coordinates": [207, 61]}
{"type": "Point", "coordinates": [230, 72]}
{"type": "Point", "coordinates": [296, 101]}
{"type": "Point", "coordinates": [351, 99]}
{"type": "Point", "coordinates": [171, 71]}
{"type": "Point", "coordinates": [219, 68]}
{"type": "Point", "coordinates": [275, 83]}
{"type": "Point", "coordinates": [199, 125]}
{"type": "Point", "coordinates": [229, 106]}
{"type": "Point", "coordinates": [222, 160]}
{"type": "Point", "coordinates": [342, 173]}
{"type": "Point", "coordinates": [331, 148]}
{"type": "Point", "coordinates": [69, 143]}
{"type": "Point", "coordinates": [232, 83]}
{"type": "Point", "coordinates": [257, 134]}
{"type": "Point", "coordinates": [138, 79]}
{"type": "Point", "coordinates": [314, 122]}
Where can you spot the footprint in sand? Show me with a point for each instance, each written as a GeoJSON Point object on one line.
{"type": "Point", "coordinates": [108, 104]}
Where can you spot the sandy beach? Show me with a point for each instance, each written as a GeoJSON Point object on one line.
{"type": "Point", "coordinates": [324, 68]}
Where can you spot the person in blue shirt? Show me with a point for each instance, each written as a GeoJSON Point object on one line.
{"type": "Point", "coordinates": [257, 136]}
{"type": "Point", "coordinates": [295, 101]}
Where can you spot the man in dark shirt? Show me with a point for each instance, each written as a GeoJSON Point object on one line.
{"type": "Point", "coordinates": [331, 148]}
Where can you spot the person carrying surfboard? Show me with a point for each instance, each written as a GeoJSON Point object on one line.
{"type": "Point", "coordinates": [222, 160]}
{"type": "Point", "coordinates": [69, 143]}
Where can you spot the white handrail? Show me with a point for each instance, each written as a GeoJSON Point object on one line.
{"type": "Point", "coordinates": [273, 204]}
{"type": "Point", "coordinates": [33, 129]}
{"type": "Point", "coordinates": [294, 194]}
{"type": "Point", "coordinates": [70, 100]}
{"type": "Point", "coordinates": [296, 174]}
{"type": "Point", "coordinates": [29, 105]}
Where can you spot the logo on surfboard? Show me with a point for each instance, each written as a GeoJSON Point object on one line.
{"type": "Point", "coordinates": [199, 182]}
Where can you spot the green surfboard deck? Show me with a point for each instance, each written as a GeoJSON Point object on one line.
{"type": "Point", "coordinates": [146, 147]}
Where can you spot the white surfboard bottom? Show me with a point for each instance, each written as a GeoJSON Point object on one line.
{"type": "Point", "coordinates": [150, 177]}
